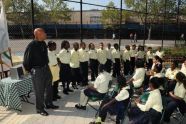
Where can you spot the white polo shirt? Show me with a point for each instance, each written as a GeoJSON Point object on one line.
{"type": "Point", "coordinates": [140, 55]}
{"type": "Point", "coordinates": [183, 69]}
{"type": "Point", "coordinates": [154, 101]}
{"type": "Point", "coordinates": [93, 54]}
{"type": "Point", "coordinates": [149, 55]}
{"type": "Point", "coordinates": [138, 77]}
{"type": "Point", "coordinates": [133, 53]}
{"type": "Point", "coordinates": [109, 53]}
{"type": "Point", "coordinates": [171, 74]}
{"type": "Point", "coordinates": [52, 58]}
{"type": "Point", "coordinates": [64, 56]}
{"type": "Point", "coordinates": [115, 55]}
{"type": "Point", "coordinates": [102, 82]}
{"type": "Point", "coordinates": [180, 91]}
{"type": "Point", "coordinates": [74, 59]}
{"type": "Point", "coordinates": [83, 55]}
{"type": "Point", "coordinates": [126, 55]}
{"type": "Point", "coordinates": [160, 54]}
{"type": "Point", "coordinates": [102, 56]}
{"type": "Point", "coordinates": [123, 94]}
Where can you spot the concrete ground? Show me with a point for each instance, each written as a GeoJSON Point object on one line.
{"type": "Point", "coordinates": [66, 114]}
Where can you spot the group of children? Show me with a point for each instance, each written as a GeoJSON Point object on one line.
{"type": "Point", "coordinates": [74, 67]}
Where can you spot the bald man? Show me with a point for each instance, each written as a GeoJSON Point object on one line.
{"type": "Point", "coordinates": [36, 62]}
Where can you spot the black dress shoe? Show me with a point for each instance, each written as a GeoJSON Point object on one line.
{"type": "Point", "coordinates": [65, 92]}
{"type": "Point", "coordinates": [43, 113]}
{"type": "Point", "coordinates": [78, 106]}
{"type": "Point", "coordinates": [74, 86]}
{"type": "Point", "coordinates": [52, 106]}
{"type": "Point", "coordinates": [69, 90]}
{"type": "Point", "coordinates": [58, 97]}
{"type": "Point", "coordinates": [54, 99]}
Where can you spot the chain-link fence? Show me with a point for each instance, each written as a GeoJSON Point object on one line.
{"type": "Point", "coordinates": [151, 21]}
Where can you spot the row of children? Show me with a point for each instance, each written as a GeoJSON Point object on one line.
{"type": "Point", "coordinates": [74, 64]}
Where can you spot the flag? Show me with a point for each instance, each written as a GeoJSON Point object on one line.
{"type": "Point", "coordinates": [4, 38]}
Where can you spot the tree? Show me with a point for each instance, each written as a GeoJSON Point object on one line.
{"type": "Point", "coordinates": [58, 11]}
{"type": "Point", "coordinates": [155, 10]}
{"type": "Point", "coordinates": [19, 11]}
{"type": "Point", "coordinates": [111, 17]}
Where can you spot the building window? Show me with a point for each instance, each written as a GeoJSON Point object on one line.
{"type": "Point", "coordinates": [95, 20]}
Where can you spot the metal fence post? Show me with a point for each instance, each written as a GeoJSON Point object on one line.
{"type": "Point", "coordinates": [32, 13]}
{"type": "Point", "coordinates": [146, 12]}
{"type": "Point", "coordinates": [163, 32]}
{"type": "Point", "coordinates": [81, 21]}
{"type": "Point", "coordinates": [120, 22]}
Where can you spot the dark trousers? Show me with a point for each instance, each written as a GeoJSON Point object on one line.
{"type": "Point", "coordinates": [94, 69]}
{"type": "Point", "coordinates": [101, 67]}
{"type": "Point", "coordinates": [109, 65]}
{"type": "Point", "coordinates": [65, 75]}
{"type": "Point", "coordinates": [42, 83]}
{"type": "Point", "coordinates": [132, 64]}
{"type": "Point", "coordinates": [149, 64]}
{"type": "Point", "coordinates": [116, 68]}
{"type": "Point", "coordinates": [93, 93]}
{"type": "Point", "coordinates": [126, 67]}
{"type": "Point", "coordinates": [117, 109]}
{"type": "Point", "coordinates": [139, 117]}
{"type": "Point", "coordinates": [172, 104]}
{"type": "Point", "coordinates": [76, 76]}
{"type": "Point", "coordinates": [55, 89]}
{"type": "Point", "coordinates": [171, 85]}
{"type": "Point", "coordinates": [84, 72]}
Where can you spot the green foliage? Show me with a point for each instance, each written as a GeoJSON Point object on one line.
{"type": "Point", "coordinates": [111, 17]}
{"type": "Point", "coordinates": [50, 11]}
{"type": "Point", "coordinates": [58, 10]}
{"type": "Point", "coordinates": [155, 9]}
{"type": "Point", "coordinates": [175, 52]}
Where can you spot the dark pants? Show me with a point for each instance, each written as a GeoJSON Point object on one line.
{"type": "Point", "coordinates": [126, 67]}
{"type": "Point", "coordinates": [149, 64]}
{"type": "Point", "coordinates": [42, 83]}
{"type": "Point", "coordinates": [93, 93]}
{"type": "Point", "coordinates": [76, 76]}
{"type": "Point", "coordinates": [94, 69]}
{"type": "Point", "coordinates": [117, 109]}
{"type": "Point", "coordinates": [139, 117]}
{"type": "Point", "coordinates": [55, 89]}
{"type": "Point", "coordinates": [116, 68]}
{"type": "Point", "coordinates": [132, 64]}
{"type": "Point", "coordinates": [65, 75]}
{"type": "Point", "coordinates": [101, 67]}
{"type": "Point", "coordinates": [84, 72]}
{"type": "Point", "coordinates": [109, 65]}
{"type": "Point", "coordinates": [171, 85]}
{"type": "Point", "coordinates": [172, 104]}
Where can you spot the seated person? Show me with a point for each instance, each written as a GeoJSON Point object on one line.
{"type": "Point", "coordinates": [177, 98]}
{"type": "Point", "coordinates": [155, 73]}
{"type": "Point", "coordinates": [98, 89]}
{"type": "Point", "coordinates": [183, 67]}
{"type": "Point", "coordinates": [151, 110]}
{"type": "Point", "coordinates": [156, 61]}
{"type": "Point", "coordinates": [172, 71]}
{"type": "Point", "coordinates": [117, 105]}
{"type": "Point", "coordinates": [137, 80]}
{"type": "Point", "coordinates": [171, 75]}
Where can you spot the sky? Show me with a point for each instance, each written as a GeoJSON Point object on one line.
{"type": "Point", "coordinates": [76, 6]}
